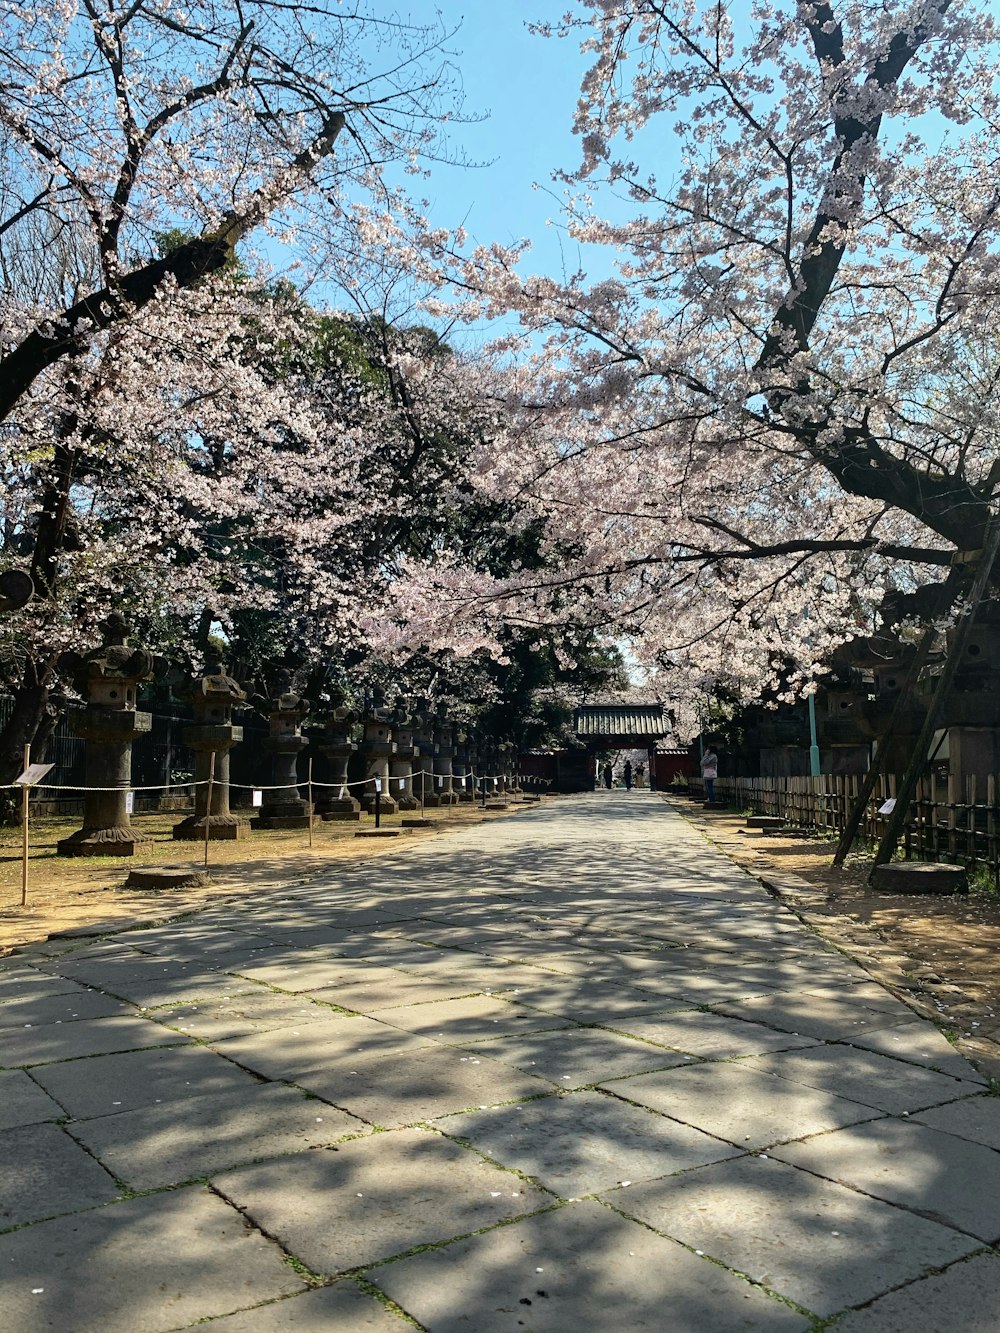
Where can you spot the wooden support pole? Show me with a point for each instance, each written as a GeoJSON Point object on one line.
{"type": "Point", "coordinates": [208, 803]}
{"type": "Point", "coordinates": [25, 792]}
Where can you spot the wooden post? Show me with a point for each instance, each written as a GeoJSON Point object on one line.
{"type": "Point", "coordinates": [25, 790]}
{"type": "Point", "coordinates": [309, 781]}
{"type": "Point", "coordinates": [208, 802]}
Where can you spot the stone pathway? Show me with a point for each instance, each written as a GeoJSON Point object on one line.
{"type": "Point", "coordinates": [568, 1073]}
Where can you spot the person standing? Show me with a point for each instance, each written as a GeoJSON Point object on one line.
{"type": "Point", "coordinates": [710, 771]}
{"type": "Point", "coordinates": [627, 774]}
{"type": "Point", "coordinates": [609, 774]}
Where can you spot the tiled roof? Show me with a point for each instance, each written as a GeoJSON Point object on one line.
{"type": "Point", "coordinates": [614, 720]}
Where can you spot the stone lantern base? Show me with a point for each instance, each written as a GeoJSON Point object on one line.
{"type": "Point", "coordinates": [103, 842]}
{"type": "Point", "coordinates": [275, 817]}
{"type": "Point", "coordinates": [221, 828]}
{"type": "Point", "coordinates": [349, 808]}
{"type": "Point", "coordinates": [387, 804]}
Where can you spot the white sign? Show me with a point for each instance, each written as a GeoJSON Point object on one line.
{"type": "Point", "coordinates": [888, 807]}
{"type": "Point", "coordinates": [402, 784]}
{"type": "Point", "coordinates": [257, 799]}
{"type": "Point", "coordinates": [378, 784]}
{"type": "Point", "coordinates": [130, 802]}
{"type": "Point", "coordinates": [33, 774]}
{"type": "Point", "coordinates": [440, 780]}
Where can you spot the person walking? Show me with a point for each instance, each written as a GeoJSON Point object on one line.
{"type": "Point", "coordinates": [609, 774]}
{"type": "Point", "coordinates": [709, 771]}
{"type": "Point", "coordinates": [627, 774]}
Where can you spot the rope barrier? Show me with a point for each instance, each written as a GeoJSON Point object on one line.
{"type": "Point", "coordinates": [279, 786]}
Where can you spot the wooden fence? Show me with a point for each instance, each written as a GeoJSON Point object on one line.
{"type": "Point", "coordinates": [944, 823]}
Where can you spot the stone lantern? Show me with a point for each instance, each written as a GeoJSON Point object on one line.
{"type": "Point", "coordinates": [283, 806]}
{"type": "Point", "coordinates": [441, 792]}
{"type": "Point", "coordinates": [213, 698]}
{"type": "Point", "coordinates": [337, 746]}
{"type": "Point", "coordinates": [108, 677]}
{"type": "Point", "coordinates": [376, 750]}
{"type": "Point", "coordinates": [461, 783]}
{"type": "Point", "coordinates": [401, 763]}
{"type": "Point", "coordinates": [422, 723]}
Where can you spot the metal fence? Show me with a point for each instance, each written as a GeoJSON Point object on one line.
{"type": "Point", "coordinates": [947, 820]}
{"type": "Point", "coordinates": [159, 759]}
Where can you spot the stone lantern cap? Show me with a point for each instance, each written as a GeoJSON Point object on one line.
{"type": "Point", "coordinates": [215, 686]}
{"type": "Point", "coordinates": [109, 674]}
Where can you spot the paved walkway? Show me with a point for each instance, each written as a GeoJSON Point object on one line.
{"type": "Point", "coordinates": [592, 1078]}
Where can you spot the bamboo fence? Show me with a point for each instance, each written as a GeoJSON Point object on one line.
{"type": "Point", "coordinates": [944, 823]}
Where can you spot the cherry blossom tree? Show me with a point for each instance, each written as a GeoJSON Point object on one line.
{"type": "Point", "coordinates": [123, 118]}
{"type": "Point", "coordinates": [137, 402]}
{"type": "Point", "coordinates": [783, 403]}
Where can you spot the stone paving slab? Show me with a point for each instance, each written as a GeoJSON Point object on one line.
{"type": "Point", "coordinates": [151, 993]}
{"type": "Point", "coordinates": [287, 1052]}
{"type": "Point", "coordinates": [43, 1173]}
{"type": "Point", "coordinates": [306, 972]}
{"type": "Point", "coordinates": [86, 1037]}
{"type": "Point", "coordinates": [393, 990]}
{"type": "Point", "coordinates": [824, 1017]}
{"type": "Point", "coordinates": [418, 1085]}
{"type": "Point", "coordinates": [110, 971]}
{"type": "Point", "coordinates": [156, 1146]}
{"type": "Point", "coordinates": [580, 1267]}
{"type": "Point", "coordinates": [143, 1266]}
{"type": "Point", "coordinates": [22, 1102]}
{"type": "Point", "coordinates": [475, 1018]}
{"type": "Point", "coordinates": [259, 1010]}
{"type": "Point", "coordinates": [584, 1142]}
{"type": "Point", "coordinates": [594, 1002]}
{"type": "Point", "coordinates": [18, 982]}
{"type": "Point", "coordinates": [922, 1044]}
{"type": "Point", "coordinates": [710, 1036]}
{"type": "Point", "coordinates": [339, 1308]}
{"type": "Point", "coordinates": [913, 1166]}
{"type": "Point", "coordinates": [576, 1057]}
{"type": "Point", "coordinates": [975, 1118]}
{"type": "Point", "coordinates": [39, 1010]}
{"type": "Point", "coordinates": [369, 1199]}
{"type": "Point", "coordinates": [818, 1244]}
{"type": "Point", "coordinates": [965, 1299]}
{"type": "Point", "coordinates": [476, 970]}
{"type": "Point", "coordinates": [864, 1076]}
{"type": "Point", "coordinates": [108, 1084]}
{"type": "Point", "coordinates": [741, 1105]}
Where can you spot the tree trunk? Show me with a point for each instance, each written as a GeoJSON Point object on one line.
{"type": "Point", "coordinates": [28, 714]}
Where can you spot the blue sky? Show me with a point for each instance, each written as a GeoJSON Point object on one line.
{"type": "Point", "coordinates": [527, 88]}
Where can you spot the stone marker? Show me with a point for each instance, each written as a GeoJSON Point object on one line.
{"type": "Point", "coordinates": [920, 877]}
{"type": "Point", "coordinates": [150, 879]}
{"type": "Point", "coordinates": [765, 822]}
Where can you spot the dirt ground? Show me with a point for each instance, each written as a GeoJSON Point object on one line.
{"type": "Point", "coordinates": [84, 894]}
{"type": "Point", "coordinates": [940, 954]}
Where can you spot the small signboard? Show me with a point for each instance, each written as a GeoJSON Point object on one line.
{"type": "Point", "coordinates": [130, 802]}
{"type": "Point", "coordinates": [888, 807]}
{"type": "Point", "coordinates": [257, 799]}
{"type": "Point", "coordinates": [33, 775]}
{"type": "Point", "coordinates": [378, 784]}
